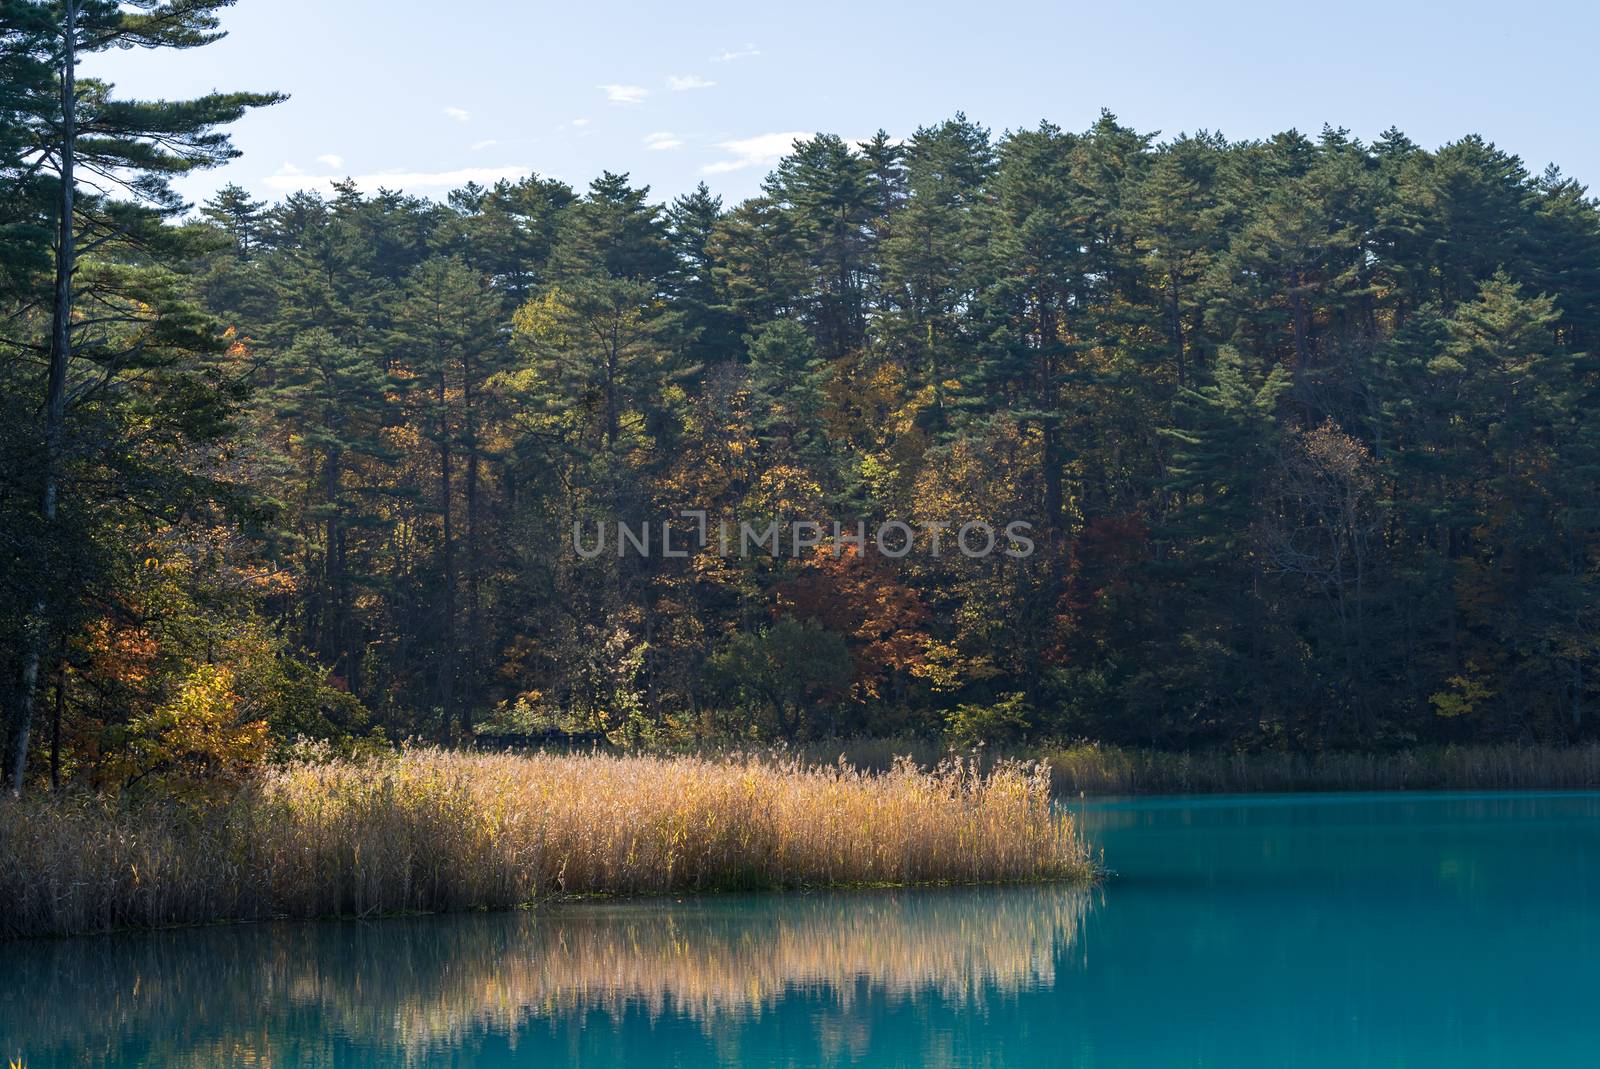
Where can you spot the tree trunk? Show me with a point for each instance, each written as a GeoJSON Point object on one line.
{"type": "Point", "coordinates": [474, 615]}
{"type": "Point", "coordinates": [56, 395]}
{"type": "Point", "coordinates": [612, 360]}
{"type": "Point", "coordinates": [331, 631]}
{"type": "Point", "coordinates": [447, 669]}
{"type": "Point", "coordinates": [1179, 346]}
{"type": "Point", "coordinates": [55, 724]}
{"type": "Point", "coordinates": [1051, 448]}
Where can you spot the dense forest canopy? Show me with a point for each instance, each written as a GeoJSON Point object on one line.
{"type": "Point", "coordinates": [1304, 428]}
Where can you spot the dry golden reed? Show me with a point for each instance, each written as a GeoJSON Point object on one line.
{"type": "Point", "coordinates": [1094, 769]}
{"type": "Point", "coordinates": [429, 830]}
{"type": "Point", "coordinates": [1100, 769]}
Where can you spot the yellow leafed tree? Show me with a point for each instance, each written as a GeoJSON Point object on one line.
{"type": "Point", "coordinates": [200, 736]}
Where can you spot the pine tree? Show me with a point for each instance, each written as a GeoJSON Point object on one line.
{"type": "Point", "coordinates": [1203, 669]}
{"type": "Point", "coordinates": [710, 323]}
{"type": "Point", "coordinates": [447, 327]}
{"type": "Point", "coordinates": [1180, 214]}
{"type": "Point", "coordinates": [786, 386]}
{"type": "Point", "coordinates": [333, 402]}
{"type": "Point", "coordinates": [827, 188]}
{"type": "Point", "coordinates": [760, 262]}
{"type": "Point", "coordinates": [509, 231]}
{"type": "Point", "coordinates": [135, 146]}
{"type": "Point", "coordinates": [1039, 246]}
{"type": "Point", "coordinates": [933, 258]}
{"type": "Point", "coordinates": [241, 218]}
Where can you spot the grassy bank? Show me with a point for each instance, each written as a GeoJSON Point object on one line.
{"type": "Point", "coordinates": [1108, 770]}
{"type": "Point", "coordinates": [1101, 770]}
{"type": "Point", "coordinates": [429, 830]}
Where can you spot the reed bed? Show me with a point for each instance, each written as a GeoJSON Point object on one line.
{"type": "Point", "coordinates": [429, 830]}
{"type": "Point", "coordinates": [1098, 769]}
{"type": "Point", "coordinates": [1092, 769]}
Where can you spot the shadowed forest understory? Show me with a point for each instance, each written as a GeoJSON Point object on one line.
{"type": "Point", "coordinates": [1303, 427]}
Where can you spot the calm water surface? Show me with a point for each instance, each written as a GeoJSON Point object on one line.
{"type": "Point", "coordinates": [1346, 930]}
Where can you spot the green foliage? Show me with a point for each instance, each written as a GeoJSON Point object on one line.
{"type": "Point", "coordinates": [130, 385]}
{"type": "Point", "coordinates": [791, 670]}
{"type": "Point", "coordinates": [1302, 427]}
{"type": "Point", "coordinates": [1001, 722]}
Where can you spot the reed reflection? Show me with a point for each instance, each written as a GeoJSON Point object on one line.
{"type": "Point", "coordinates": [324, 993]}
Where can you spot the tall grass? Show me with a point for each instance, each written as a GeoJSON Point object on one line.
{"type": "Point", "coordinates": [430, 830]}
{"type": "Point", "coordinates": [1093, 769]}
{"type": "Point", "coordinates": [1098, 769]}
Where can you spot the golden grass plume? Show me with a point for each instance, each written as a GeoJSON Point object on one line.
{"type": "Point", "coordinates": [428, 830]}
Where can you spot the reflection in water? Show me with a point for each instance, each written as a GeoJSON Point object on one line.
{"type": "Point", "coordinates": [406, 990]}
{"type": "Point", "coordinates": [1330, 932]}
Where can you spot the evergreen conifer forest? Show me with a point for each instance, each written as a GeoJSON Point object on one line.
{"type": "Point", "coordinates": [1304, 430]}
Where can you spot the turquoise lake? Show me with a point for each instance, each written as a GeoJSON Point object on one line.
{"type": "Point", "coordinates": [1395, 930]}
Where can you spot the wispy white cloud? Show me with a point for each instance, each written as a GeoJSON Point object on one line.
{"type": "Point", "coordinates": [625, 94]}
{"type": "Point", "coordinates": [580, 122]}
{"type": "Point", "coordinates": [478, 146]}
{"type": "Point", "coordinates": [662, 141]}
{"type": "Point", "coordinates": [763, 150]}
{"type": "Point", "coordinates": [459, 114]}
{"type": "Point", "coordinates": [680, 82]}
{"type": "Point", "coordinates": [332, 160]}
{"type": "Point", "coordinates": [290, 178]}
{"type": "Point", "coordinates": [746, 52]}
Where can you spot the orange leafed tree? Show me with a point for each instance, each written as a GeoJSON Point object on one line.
{"type": "Point", "coordinates": [859, 596]}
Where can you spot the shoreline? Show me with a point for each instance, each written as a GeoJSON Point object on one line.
{"type": "Point", "coordinates": [428, 832]}
{"type": "Point", "coordinates": [1098, 770]}
{"type": "Point", "coordinates": [433, 831]}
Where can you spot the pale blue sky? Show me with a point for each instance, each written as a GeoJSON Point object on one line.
{"type": "Point", "coordinates": [424, 96]}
